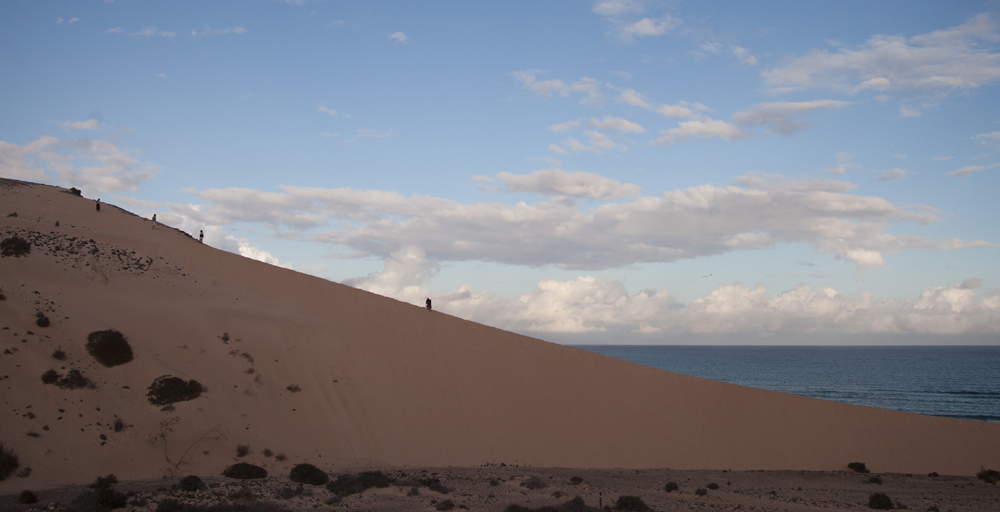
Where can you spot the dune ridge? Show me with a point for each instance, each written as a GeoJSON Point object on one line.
{"type": "Point", "coordinates": [380, 382]}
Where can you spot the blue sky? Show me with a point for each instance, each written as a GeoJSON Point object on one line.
{"type": "Point", "coordinates": [620, 171]}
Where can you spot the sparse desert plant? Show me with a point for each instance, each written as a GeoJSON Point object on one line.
{"type": "Point", "coordinates": [701, 491]}
{"type": "Point", "coordinates": [75, 191]}
{"type": "Point", "coordinates": [242, 450]}
{"type": "Point", "coordinates": [858, 467]}
{"type": "Point", "coordinates": [671, 487]}
{"type": "Point", "coordinates": [27, 497]}
{"type": "Point", "coordinates": [8, 462]}
{"type": "Point", "coordinates": [414, 491]}
{"type": "Point", "coordinates": [575, 480]}
{"type": "Point", "coordinates": [14, 246]}
{"type": "Point", "coordinates": [74, 380]}
{"type": "Point", "coordinates": [933, 474]}
{"type": "Point", "coordinates": [59, 354]}
{"type": "Point", "coordinates": [50, 377]}
{"type": "Point", "coordinates": [268, 452]}
{"type": "Point", "coordinates": [348, 484]}
{"type": "Point", "coordinates": [294, 388]}
{"type": "Point", "coordinates": [879, 501]}
{"type": "Point", "coordinates": [445, 505]}
{"type": "Point", "coordinates": [713, 486]}
{"type": "Point", "coordinates": [104, 482]}
{"type": "Point", "coordinates": [167, 389]}
{"type": "Point", "coordinates": [280, 457]}
{"type": "Point", "coordinates": [109, 347]}
{"type": "Point", "coordinates": [119, 425]}
{"type": "Point", "coordinates": [435, 485]}
{"type": "Point", "coordinates": [191, 483]}
{"type": "Point", "coordinates": [375, 479]}
{"type": "Point", "coordinates": [875, 480]}
{"type": "Point", "coordinates": [990, 476]}
{"type": "Point", "coordinates": [41, 320]}
{"type": "Point", "coordinates": [308, 474]}
{"type": "Point", "coordinates": [632, 503]}
{"type": "Point", "coordinates": [244, 471]}
{"type": "Point", "coordinates": [533, 483]}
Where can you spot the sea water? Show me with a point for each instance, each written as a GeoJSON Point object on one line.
{"type": "Point", "coordinates": [957, 382]}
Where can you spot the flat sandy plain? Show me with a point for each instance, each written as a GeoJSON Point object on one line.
{"type": "Point", "coordinates": [348, 380]}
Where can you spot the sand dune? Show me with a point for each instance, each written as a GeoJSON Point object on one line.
{"type": "Point", "coordinates": [380, 382]}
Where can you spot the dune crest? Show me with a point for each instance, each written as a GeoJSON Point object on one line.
{"type": "Point", "coordinates": [328, 374]}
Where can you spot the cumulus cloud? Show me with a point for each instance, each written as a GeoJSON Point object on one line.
{"type": "Point", "coordinates": [609, 122]}
{"type": "Point", "coordinates": [90, 124]}
{"type": "Point", "coordinates": [398, 37]}
{"type": "Point", "coordinates": [598, 143]}
{"type": "Point", "coordinates": [892, 175]}
{"type": "Point", "coordinates": [943, 60]}
{"type": "Point", "coordinates": [95, 166]}
{"type": "Point", "coordinates": [707, 128]}
{"type": "Point", "coordinates": [326, 110]}
{"type": "Point", "coordinates": [744, 55]}
{"type": "Point", "coordinates": [780, 116]}
{"type": "Point", "coordinates": [557, 182]}
{"type": "Point", "coordinates": [988, 138]}
{"type": "Point", "coordinates": [969, 169]}
{"type": "Point", "coordinates": [907, 112]}
{"type": "Point", "coordinates": [588, 87]}
{"type": "Point", "coordinates": [757, 212]}
{"type": "Point", "coordinates": [648, 27]}
{"type": "Point", "coordinates": [405, 272]}
{"type": "Point", "coordinates": [617, 8]}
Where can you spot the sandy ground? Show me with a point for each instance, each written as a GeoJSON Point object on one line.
{"type": "Point", "coordinates": [494, 488]}
{"type": "Point", "coordinates": [327, 373]}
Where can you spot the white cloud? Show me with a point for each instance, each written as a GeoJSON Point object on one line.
{"type": "Point", "coordinates": [744, 55]}
{"type": "Point", "coordinates": [574, 184]}
{"type": "Point", "coordinates": [73, 20]}
{"type": "Point", "coordinates": [942, 158]}
{"type": "Point", "coordinates": [942, 60]}
{"type": "Point", "coordinates": [326, 110]}
{"type": "Point", "coordinates": [616, 8]}
{"type": "Point", "coordinates": [780, 116]}
{"type": "Point", "coordinates": [988, 138]}
{"type": "Point", "coordinates": [146, 32]}
{"type": "Point", "coordinates": [96, 166]}
{"type": "Point", "coordinates": [330, 134]}
{"type": "Point", "coordinates": [608, 122]}
{"type": "Point", "coordinates": [967, 170]}
{"type": "Point", "coordinates": [371, 133]}
{"type": "Point", "coordinates": [633, 98]}
{"type": "Point", "coordinates": [843, 163]}
{"type": "Point", "coordinates": [398, 37]}
{"type": "Point", "coordinates": [90, 124]}
{"type": "Point", "coordinates": [892, 175]}
{"type": "Point", "coordinates": [218, 31]}
{"type": "Point", "coordinates": [160, 75]}
{"type": "Point", "coordinates": [590, 88]}
{"type": "Point", "coordinates": [598, 143]}
{"type": "Point", "coordinates": [758, 212]}
{"type": "Point", "coordinates": [648, 27]}
{"type": "Point", "coordinates": [708, 128]}
{"type": "Point", "coordinates": [294, 2]}
{"type": "Point", "coordinates": [405, 272]}
{"type": "Point", "coordinates": [905, 112]}
{"type": "Point", "coordinates": [710, 47]}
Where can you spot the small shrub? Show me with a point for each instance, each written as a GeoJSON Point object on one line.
{"type": "Point", "coordinates": [671, 487]}
{"type": "Point", "coordinates": [41, 320]}
{"type": "Point", "coordinates": [308, 474]}
{"type": "Point", "coordinates": [14, 246]}
{"type": "Point", "coordinates": [632, 503]}
{"type": "Point", "coordinates": [533, 483]}
{"type": "Point", "coordinates": [713, 486]}
{"type": "Point", "coordinates": [435, 485]}
{"type": "Point", "coordinates": [104, 482]}
{"type": "Point", "coordinates": [27, 497]}
{"type": "Point", "coordinates": [168, 389]}
{"type": "Point", "coordinates": [875, 480]}
{"type": "Point", "coordinates": [280, 457]}
{"type": "Point", "coordinates": [59, 355]}
{"type": "Point", "coordinates": [858, 467]}
{"type": "Point", "coordinates": [445, 505]}
{"type": "Point", "coordinates": [990, 476]}
{"type": "Point", "coordinates": [191, 483]}
{"type": "Point", "coordinates": [701, 491]}
{"type": "Point", "coordinates": [119, 425]}
{"type": "Point", "coordinates": [374, 479]}
{"type": "Point", "coordinates": [294, 388]}
{"type": "Point", "coordinates": [242, 450]}
{"type": "Point", "coordinates": [50, 377]}
{"type": "Point", "coordinates": [109, 347]}
{"type": "Point", "coordinates": [934, 509]}
{"type": "Point", "coordinates": [932, 474]}
{"type": "Point", "coordinates": [345, 485]}
{"type": "Point", "coordinates": [75, 191]}
{"type": "Point", "coordinates": [74, 380]}
{"type": "Point", "coordinates": [575, 480]}
{"type": "Point", "coordinates": [268, 452]}
{"type": "Point", "coordinates": [8, 462]}
{"type": "Point", "coordinates": [879, 501]}
{"type": "Point", "coordinates": [414, 491]}
{"type": "Point", "coordinates": [244, 471]}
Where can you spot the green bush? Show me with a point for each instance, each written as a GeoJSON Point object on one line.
{"type": "Point", "coordinates": [109, 347]}
{"type": "Point", "coordinates": [990, 476]}
{"type": "Point", "coordinates": [879, 501]}
{"type": "Point", "coordinates": [8, 462]}
{"type": "Point", "coordinates": [858, 467]}
{"type": "Point", "coordinates": [74, 380]}
{"type": "Point", "coordinates": [41, 320]}
{"type": "Point", "coordinates": [167, 389]}
{"type": "Point", "coordinates": [631, 503]}
{"type": "Point", "coordinates": [308, 474]}
{"type": "Point", "coordinates": [242, 450]}
{"type": "Point", "coordinates": [50, 377]}
{"type": "Point", "coordinates": [244, 471]}
{"type": "Point", "coordinates": [104, 482]}
{"type": "Point", "coordinates": [14, 246]}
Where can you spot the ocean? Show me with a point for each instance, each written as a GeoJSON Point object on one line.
{"type": "Point", "coordinates": [957, 382]}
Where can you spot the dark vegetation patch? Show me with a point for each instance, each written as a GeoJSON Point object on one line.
{"type": "Point", "coordinates": [109, 347]}
{"type": "Point", "coordinates": [294, 388]}
{"type": "Point", "coordinates": [879, 501]}
{"type": "Point", "coordinates": [242, 450]}
{"type": "Point", "coordinates": [287, 493]}
{"type": "Point", "coordinates": [104, 482]}
{"type": "Point", "coordinates": [50, 377]}
{"type": "Point", "coordinates": [73, 379]}
{"type": "Point", "coordinates": [41, 320]}
{"type": "Point", "coordinates": [701, 491]}
{"type": "Point", "coordinates": [990, 476]}
{"type": "Point", "coordinates": [167, 389]}
{"type": "Point", "coordinates": [533, 483]}
{"type": "Point", "coordinates": [59, 355]}
{"type": "Point", "coordinates": [575, 480]}
{"type": "Point", "coordinates": [858, 467]}
{"type": "Point", "coordinates": [575, 505]}
{"type": "Point", "coordinates": [348, 484]}
{"type": "Point", "coordinates": [875, 480]}
{"type": "Point", "coordinates": [713, 486]}
{"type": "Point", "coordinates": [176, 506]}
{"type": "Point", "coordinates": [191, 483]}
{"type": "Point", "coordinates": [27, 497]}
{"type": "Point", "coordinates": [445, 505]}
{"type": "Point", "coordinates": [632, 503]}
{"type": "Point", "coordinates": [119, 425]}
{"type": "Point", "coordinates": [14, 246]}
{"type": "Point", "coordinates": [308, 474]}
{"type": "Point", "coordinates": [103, 497]}
{"type": "Point", "coordinates": [671, 487]}
{"type": "Point", "coordinates": [244, 471]}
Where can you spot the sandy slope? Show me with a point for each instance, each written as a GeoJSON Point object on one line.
{"type": "Point", "coordinates": [382, 382]}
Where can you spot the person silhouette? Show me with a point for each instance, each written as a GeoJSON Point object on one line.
{"type": "Point", "coordinates": [154, 221]}
{"type": "Point", "coordinates": [98, 203]}
{"type": "Point", "coordinates": [428, 304]}
{"type": "Point", "coordinates": [201, 235]}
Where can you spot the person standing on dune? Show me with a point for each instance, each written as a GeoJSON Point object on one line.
{"type": "Point", "coordinates": [428, 304]}
{"type": "Point", "coordinates": [98, 203]}
{"type": "Point", "coordinates": [154, 221]}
